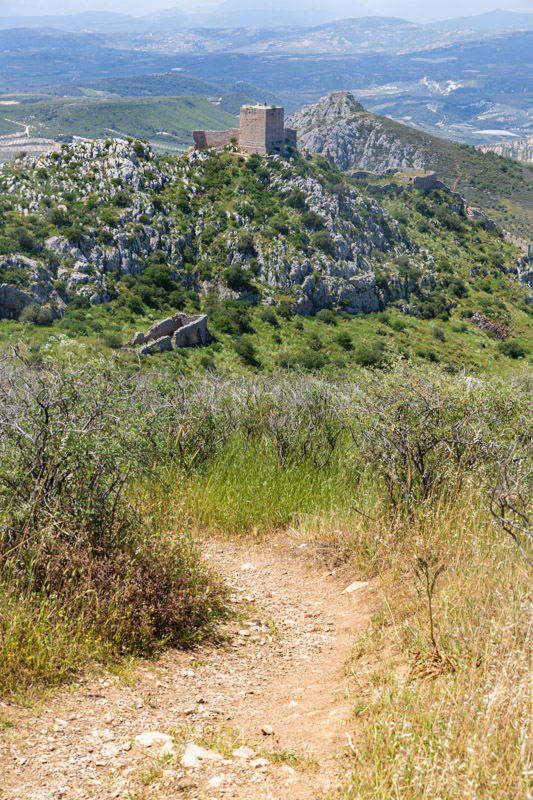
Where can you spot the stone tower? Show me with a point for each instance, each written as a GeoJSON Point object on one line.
{"type": "Point", "coordinates": [261, 130]}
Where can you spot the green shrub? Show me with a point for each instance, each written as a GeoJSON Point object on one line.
{"type": "Point", "coordinates": [306, 359]}
{"type": "Point", "coordinates": [322, 240]}
{"type": "Point", "coordinates": [313, 221]}
{"type": "Point", "coordinates": [113, 340]}
{"type": "Point", "coordinates": [230, 316]}
{"type": "Point", "coordinates": [60, 217]}
{"type": "Point", "coordinates": [269, 316]}
{"type": "Point", "coordinates": [60, 286]}
{"type": "Point", "coordinates": [512, 349]}
{"type": "Point", "coordinates": [135, 304]}
{"type": "Point", "coordinates": [80, 301]}
{"type": "Point", "coordinates": [370, 354]}
{"type": "Point", "coordinates": [397, 324]}
{"type": "Point", "coordinates": [245, 243]}
{"type": "Point", "coordinates": [104, 237]}
{"type": "Point", "coordinates": [84, 571]}
{"type": "Point", "coordinates": [296, 199]}
{"type": "Point", "coordinates": [238, 278]}
{"type": "Point", "coordinates": [344, 340]}
{"type": "Point", "coordinates": [245, 348]}
{"type": "Point", "coordinates": [34, 314]}
{"type": "Point", "coordinates": [122, 199]}
{"type": "Point", "coordinates": [327, 315]}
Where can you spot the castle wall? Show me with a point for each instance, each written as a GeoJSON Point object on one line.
{"type": "Point", "coordinates": [291, 137]}
{"type": "Point", "coordinates": [275, 131]}
{"type": "Point", "coordinates": [203, 139]}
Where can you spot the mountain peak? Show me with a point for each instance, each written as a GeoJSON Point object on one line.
{"type": "Point", "coordinates": [330, 109]}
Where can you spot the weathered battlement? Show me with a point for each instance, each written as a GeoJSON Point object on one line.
{"type": "Point", "coordinates": [261, 130]}
{"type": "Point", "coordinates": [203, 139]}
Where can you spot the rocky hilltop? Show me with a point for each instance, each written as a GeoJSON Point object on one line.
{"type": "Point", "coordinates": [353, 139]}
{"type": "Point", "coordinates": [96, 212]}
{"type": "Point", "coordinates": [111, 221]}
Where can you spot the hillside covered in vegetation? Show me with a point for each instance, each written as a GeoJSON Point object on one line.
{"type": "Point", "coordinates": [111, 227]}
{"type": "Point", "coordinates": [355, 139]}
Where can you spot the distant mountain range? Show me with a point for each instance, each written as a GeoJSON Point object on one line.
{"type": "Point", "coordinates": [472, 84]}
{"type": "Point", "coordinates": [244, 13]}
{"type": "Point", "coordinates": [232, 13]}
{"type": "Point", "coordinates": [490, 21]}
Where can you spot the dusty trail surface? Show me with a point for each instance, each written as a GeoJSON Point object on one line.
{"type": "Point", "coordinates": [270, 709]}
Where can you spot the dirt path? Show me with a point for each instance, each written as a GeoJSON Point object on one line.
{"type": "Point", "coordinates": [277, 688]}
{"type": "Point", "coordinates": [22, 125]}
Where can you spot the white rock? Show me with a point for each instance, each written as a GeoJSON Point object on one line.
{"type": "Point", "coordinates": [167, 750]}
{"type": "Point", "coordinates": [149, 738]}
{"type": "Point", "coordinates": [216, 782]}
{"type": "Point", "coordinates": [353, 587]}
{"type": "Point", "coordinates": [259, 762]}
{"type": "Point", "coordinates": [244, 752]}
{"type": "Point", "coordinates": [266, 730]}
{"type": "Point", "coordinates": [247, 567]}
{"type": "Point", "coordinates": [194, 755]}
{"type": "Point", "coordinates": [288, 770]}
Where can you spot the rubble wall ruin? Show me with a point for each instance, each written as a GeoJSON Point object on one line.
{"type": "Point", "coordinates": [203, 139]}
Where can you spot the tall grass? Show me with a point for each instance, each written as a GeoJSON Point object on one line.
{"type": "Point", "coordinates": [408, 479]}
{"type": "Point", "coordinates": [450, 723]}
{"type": "Point", "coordinates": [87, 570]}
{"type": "Point", "coordinates": [461, 726]}
{"type": "Point", "coordinates": [386, 472]}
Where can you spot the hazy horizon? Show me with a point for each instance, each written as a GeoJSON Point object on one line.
{"type": "Point", "coordinates": [414, 10]}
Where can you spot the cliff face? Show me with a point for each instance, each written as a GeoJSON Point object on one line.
{"type": "Point", "coordinates": [338, 127]}
{"type": "Point", "coordinates": [519, 149]}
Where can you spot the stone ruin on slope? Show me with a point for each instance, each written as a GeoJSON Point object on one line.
{"type": "Point", "coordinates": [261, 130]}
{"type": "Point", "coordinates": [179, 330]}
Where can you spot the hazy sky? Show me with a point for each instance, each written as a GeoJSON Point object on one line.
{"type": "Point", "coordinates": [416, 10]}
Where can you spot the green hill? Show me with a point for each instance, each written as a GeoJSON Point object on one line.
{"type": "Point", "coordinates": [230, 97]}
{"type": "Point", "coordinates": [167, 122]}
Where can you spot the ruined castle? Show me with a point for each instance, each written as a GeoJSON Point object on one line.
{"type": "Point", "coordinates": [261, 130]}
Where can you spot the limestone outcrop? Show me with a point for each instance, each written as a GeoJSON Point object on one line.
{"type": "Point", "coordinates": [339, 127]}
{"type": "Point", "coordinates": [35, 286]}
{"type": "Point", "coordinates": [13, 300]}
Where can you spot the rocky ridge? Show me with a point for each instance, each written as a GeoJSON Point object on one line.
{"type": "Point", "coordinates": [520, 149]}
{"type": "Point", "coordinates": [112, 205]}
{"type": "Point", "coordinates": [92, 220]}
{"type": "Point", "coordinates": [338, 127]}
